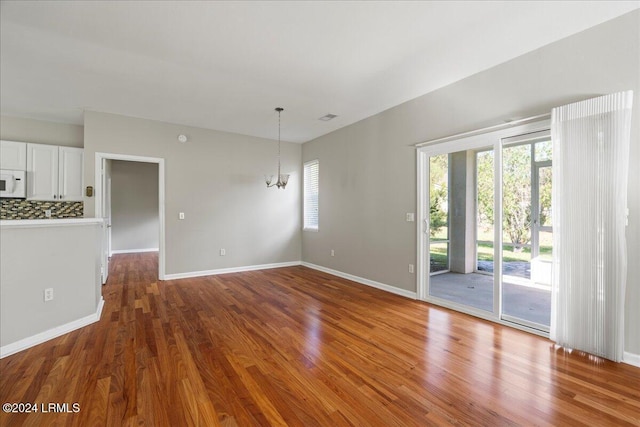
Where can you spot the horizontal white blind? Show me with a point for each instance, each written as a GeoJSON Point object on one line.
{"type": "Point", "coordinates": [311, 190]}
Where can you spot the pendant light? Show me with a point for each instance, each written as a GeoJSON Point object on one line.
{"type": "Point", "coordinates": [283, 178]}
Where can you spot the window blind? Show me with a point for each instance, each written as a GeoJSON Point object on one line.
{"type": "Point", "coordinates": [311, 190]}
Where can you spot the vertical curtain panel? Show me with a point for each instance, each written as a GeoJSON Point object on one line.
{"type": "Point", "coordinates": [590, 167]}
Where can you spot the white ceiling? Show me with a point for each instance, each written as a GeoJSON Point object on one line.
{"type": "Point", "coordinates": [227, 65]}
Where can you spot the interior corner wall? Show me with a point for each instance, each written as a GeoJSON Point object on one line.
{"type": "Point", "coordinates": [368, 169]}
{"type": "Point", "coordinates": [217, 180]}
{"type": "Point", "coordinates": [41, 132]}
{"type": "Point", "coordinates": [134, 206]}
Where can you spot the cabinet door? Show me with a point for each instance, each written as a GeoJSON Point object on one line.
{"type": "Point", "coordinates": [42, 172]}
{"type": "Point", "coordinates": [70, 173]}
{"type": "Point", "coordinates": [13, 155]}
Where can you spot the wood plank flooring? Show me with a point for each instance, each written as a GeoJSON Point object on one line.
{"type": "Point", "coordinates": [297, 347]}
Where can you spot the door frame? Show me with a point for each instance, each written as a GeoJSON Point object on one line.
{"type": "Point", "coordinates": [490, 138]}
{"type": "Point", "coordinates": [161, 200]}
{"type": "Point", "coordinates": [105, 214]}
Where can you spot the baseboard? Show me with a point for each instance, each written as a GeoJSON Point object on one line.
{"type": "Point", "coordinates": [133, 251]}
{"type": "Point", "coordinates": [631, 359]}
{"type": "Point", "coordinates": [36, 339]}
{"type": "Point", "coordinates": [362, 280]}
{"type": "Point", "coordinates": [230, 270]}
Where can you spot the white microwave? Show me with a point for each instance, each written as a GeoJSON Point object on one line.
{"type": "Point", "coordinates": [13, 184]}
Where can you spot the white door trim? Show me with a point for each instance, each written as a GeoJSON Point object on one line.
{"type": "Point", "coordinates": [161, 201]}
{"type": "Point", "coordinates": [448, 145]}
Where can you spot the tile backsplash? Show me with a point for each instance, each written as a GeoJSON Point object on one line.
{"type": "Point", "coordinates": [35, 209]}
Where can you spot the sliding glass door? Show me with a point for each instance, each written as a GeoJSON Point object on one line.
{"type": "Point", "coordinates": [461, 228]}
{"type": "Point", "coordinates": [486, 239]}
{"type": "Point", "coordinates": [526, 214]}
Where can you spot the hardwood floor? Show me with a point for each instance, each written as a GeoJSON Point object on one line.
{"type": "Point", "coordinates": [294, 346]}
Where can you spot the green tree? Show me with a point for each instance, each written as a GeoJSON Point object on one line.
{"type": "Point", "coordinates": [516, 190]}
{"type": "Point", "coordinates": [484, 164]}
{"type": "Point", "coordinates": [438, 193]}
{"type": "Point", "coordinates": [516, 194]}
{"type": "Point", "coordinates": [545, 182]}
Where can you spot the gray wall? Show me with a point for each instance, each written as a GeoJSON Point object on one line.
{"type": "Point", "coordinates": [134, 205]}
{"type": "Point", "coordinates": [40, 132]}
{"type": "Point", "coordinates": [63, 257]}
{"type": "Point", "coordinates": [216, 179]}
{"type": "Point", "coordinates": [368, 169]}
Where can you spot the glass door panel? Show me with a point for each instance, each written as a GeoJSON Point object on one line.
{"type": "Point", "coordinates": [526, 218]}
{"type": "Point", "coordinates": [542, 249]}
{"type": "Point", "coordinates": [457, 181]}
{"type": "Point", "coordinates": [485, 227]}
{"type": "Point", "coordinates": [439, 213]}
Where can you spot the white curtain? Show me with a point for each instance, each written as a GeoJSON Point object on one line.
{"type": "Point", "coordinates": [590, 164]}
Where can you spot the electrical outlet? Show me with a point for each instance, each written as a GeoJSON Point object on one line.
{"type": "Point", "coordinates": [411, 268]}
{"type": "Point", "coordinates": [223, 252]}
{"type": "Point", "coordinates": [48, 294]}
{"type": "Point", "coordinates": [333, 253]}
{"type": "Point", "coordinates": [47, 213]}
{"type": "Point", "coordinates": [411, 217]}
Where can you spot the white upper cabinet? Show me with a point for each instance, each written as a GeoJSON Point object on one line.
{"type": "Point", "coordinates": [13, 155]}
{"type": "Point", "coordinates": [54, 173]}
{"type": "Point", "coordinates": [70, 162]}
{"type": "Point", "coordinates": [42, 172]}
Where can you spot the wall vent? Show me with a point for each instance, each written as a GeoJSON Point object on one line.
{"type": "Point", "coordinates": [328, 117]}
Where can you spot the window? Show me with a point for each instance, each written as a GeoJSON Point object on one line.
{"type": "Point", "coordinates": [311, 187]}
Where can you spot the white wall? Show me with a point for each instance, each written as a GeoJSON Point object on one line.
{"type": "Point", "coordinates": [40, 132]}
{"type": "Point", "coordinates": [368, 169]}
{"type": "Point", "coordinates": [134, 206]}
{"type": "Point", "coordinates": [216, 179]}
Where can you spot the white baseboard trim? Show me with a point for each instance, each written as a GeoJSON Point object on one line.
{"type": "Point", "coordinates": [230, 270]}
{"type": "Point", "coordinates": [631, 359]}
{"type": "Point", "coordinates": [132, 251]}
{"type": "Point", "coordinates": [25, 343]}
{"type": "Point", "coordinates": [362, 280]}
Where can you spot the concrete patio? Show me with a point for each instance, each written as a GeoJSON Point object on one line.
{"type": "Point", "coordinates": [520, 299]}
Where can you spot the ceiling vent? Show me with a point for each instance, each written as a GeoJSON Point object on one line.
{"type": "Point", "coordinates": [328, 117]}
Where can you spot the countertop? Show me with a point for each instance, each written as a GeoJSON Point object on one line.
{"type": "Point", "coordinates": [63, 222]}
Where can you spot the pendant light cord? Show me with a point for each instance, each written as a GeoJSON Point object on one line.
{"type": "Point", "coordinates": [279, 111]}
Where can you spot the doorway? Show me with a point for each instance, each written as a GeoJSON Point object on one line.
{"type": "Point", "coordinates": [103, 203]}
{"type": "Point", "coordinates": [484, 246]}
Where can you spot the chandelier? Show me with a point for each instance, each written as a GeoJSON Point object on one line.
{"type": "Point", "coordinates": [283, 178]}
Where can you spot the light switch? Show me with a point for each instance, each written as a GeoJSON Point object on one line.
{"type": "Point", "coordinates": [411, 217]}
{"type": "Point", "coordinates": [181, 215]}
